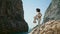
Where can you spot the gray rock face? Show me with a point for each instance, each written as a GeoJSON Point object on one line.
{"type": "Point", "coordinates": [53, 11]}
{"type": "Point", "coordinates": [12, 16]}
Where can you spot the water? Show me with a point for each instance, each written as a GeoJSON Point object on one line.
{"type": "Point", "coordinates": [20, 33]}
{"type": "Point", "coordinates": [23, 33]}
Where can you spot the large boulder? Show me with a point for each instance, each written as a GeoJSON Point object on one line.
{"type": "Point", "coordinates": [12, 16]}
{"type": "Point", "coordinates": [50, 27]}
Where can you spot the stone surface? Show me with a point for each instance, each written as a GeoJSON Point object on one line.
{"type": "Point", "coordinates": [12, 16]}
{"type": "Point", "coordinates": [53, 11]}
{"type": "Point", "coordinates": [50, 27]}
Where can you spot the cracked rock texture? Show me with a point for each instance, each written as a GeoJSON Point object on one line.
{"type": "Point", "coordinates": [50, 27]}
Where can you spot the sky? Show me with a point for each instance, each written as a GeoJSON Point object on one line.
{"type": "Point", "coordinates": [29, 7]}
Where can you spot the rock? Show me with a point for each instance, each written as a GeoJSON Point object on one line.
{"type": "Point", "coordinates": [53, 11]}
{"type": "Point", "coordinates": [52, 28]}
{"type": "Point", "coordinates": [12, 16]}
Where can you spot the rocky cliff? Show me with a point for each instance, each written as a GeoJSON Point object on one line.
{"type": "Point", "coordinates": [53, 11]}
{"type": "Point", "coordinates": [12, 16]}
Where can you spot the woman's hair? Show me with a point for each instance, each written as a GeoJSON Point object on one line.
{"type": "Point", "coordinates": [37, 9]}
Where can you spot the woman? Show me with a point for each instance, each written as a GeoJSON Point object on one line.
{"type": "Point", "coordinates": [38, 18]}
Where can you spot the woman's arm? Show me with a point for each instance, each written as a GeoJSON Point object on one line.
{"type": "Point", "coordinates": [35, 17]}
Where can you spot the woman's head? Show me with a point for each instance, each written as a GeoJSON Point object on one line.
{"type": "Point", "coordinates": [37, 9]}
